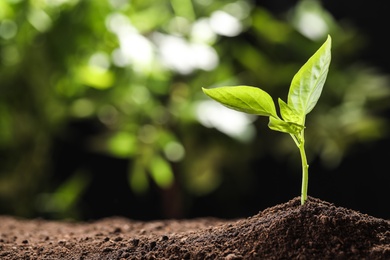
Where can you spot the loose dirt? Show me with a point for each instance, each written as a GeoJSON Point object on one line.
{"type": "Point", "coordinates": [317, 230]}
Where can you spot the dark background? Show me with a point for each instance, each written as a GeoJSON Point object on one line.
{"type": "Point", "coordinates": [352, 190]}
{"type": "Point", "coordinates": [359, 182]}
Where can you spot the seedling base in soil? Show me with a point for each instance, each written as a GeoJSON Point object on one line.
{"type": "Point", "coordinates": [316, 230]}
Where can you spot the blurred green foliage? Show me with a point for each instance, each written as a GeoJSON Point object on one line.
{"type": "Point", "coordinates": [138, 67]}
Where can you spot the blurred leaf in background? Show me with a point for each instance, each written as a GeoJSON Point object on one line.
{"type": "Point", "coordinates": [137, 68]}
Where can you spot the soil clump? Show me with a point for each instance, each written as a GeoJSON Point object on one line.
{"type": "Point", "coordinates": [316, 230]}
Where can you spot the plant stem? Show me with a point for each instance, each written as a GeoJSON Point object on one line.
{"type": "Point", "coordinates": [305, 170]}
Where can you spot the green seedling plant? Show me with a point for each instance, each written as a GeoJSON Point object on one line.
{"type": "Point", "coordinates": [305, 90]}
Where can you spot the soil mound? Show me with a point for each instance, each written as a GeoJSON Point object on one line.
{"type": "Point", "coordinates": [317, 230]}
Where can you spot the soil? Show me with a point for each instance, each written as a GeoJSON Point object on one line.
{"type": "Point", "coordinates": [317, 230]}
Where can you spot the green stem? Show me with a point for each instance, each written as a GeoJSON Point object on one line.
{"type": "Point", "coordinates": [305, 170]}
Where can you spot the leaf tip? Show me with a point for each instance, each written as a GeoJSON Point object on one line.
{"type": "Point", "coordinates": [329, 40]}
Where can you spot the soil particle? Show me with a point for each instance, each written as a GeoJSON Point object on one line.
{"type": "Point", "coordinates": [317, 230]}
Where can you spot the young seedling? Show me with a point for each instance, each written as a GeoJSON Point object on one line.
{"type": "Point", "coordinates": [304, 92]}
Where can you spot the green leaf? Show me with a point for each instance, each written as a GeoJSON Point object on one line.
{"type": "Point", "coordinates": [138, 179]}
{"type": "Point", "coordinates": [123, 144]}
{"type": "Point", "coordinates": [246, 99]}
{"type": "Point", "coordinates": [285, 127]}
{"type": "Point", "coordinates": [288, 114]}
{"type": "Point", "coordinates": [307, 84]}
{"type": "Point", "coordinates": [161, 172]}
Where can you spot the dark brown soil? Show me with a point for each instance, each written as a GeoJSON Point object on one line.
{"type": "Point", "coordinates": [317, 230]}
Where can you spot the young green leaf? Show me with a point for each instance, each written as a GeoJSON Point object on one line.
{"type": "Point", "coordinates": [285, 127]}
{"type": "Point", "coordinates": [288, 114]}
{"type": "Point", "coordinates": [246, 99]}
{"type": "Point", "coordinates": [307, 84]}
